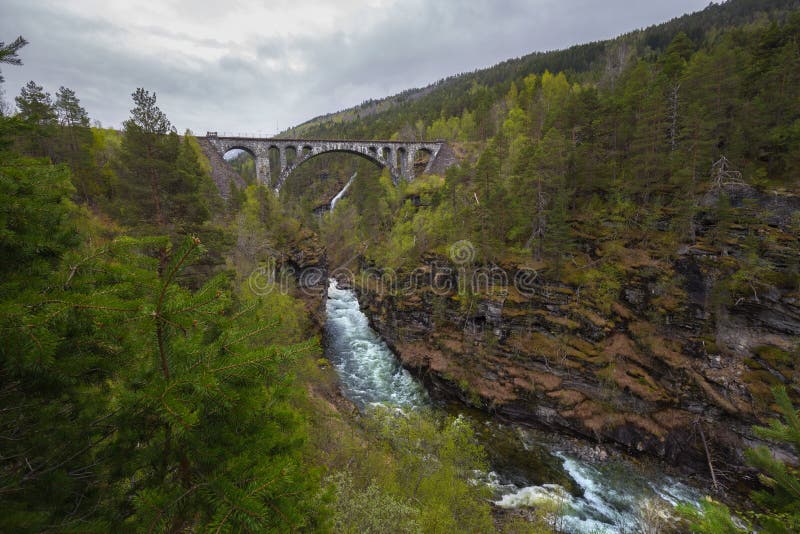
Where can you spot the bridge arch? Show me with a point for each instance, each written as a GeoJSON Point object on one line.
{"type": "Point", "coordinates": [364, 155]}
{"type": "Point", "coordinates": [243, 148]}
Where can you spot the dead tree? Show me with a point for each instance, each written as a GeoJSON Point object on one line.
{"type": "Point", "coordinates": [722, 174]}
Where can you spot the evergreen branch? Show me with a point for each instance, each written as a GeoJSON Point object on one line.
{"type": "Point", "coordinates": [176, 325]}
{"type": "Point", "coordinates": [58, 312]}
{"type": "Point", "coordinates": [194, 243]}
{"type": "Point", "coordinates": [90, 307]}
{"type": "Point", "coordinates": [244, 311]}
{"type": "Point", "coordinates": [8, 53]}
{"type": "Point", "coordinates": [195, 307]}
{"type": "Point", "coordinates": [241, 364]}
{"type": "Point", "coordinates": [110, 272]}
{"type": "Point", "coordinates": [183, 421]}
{"type": "Point", "coordinates": [34, 473]}
{"type": "Point", "coordinates": [252, 333]}
{"type": "Point", "coordinates": [249, 494]}
{"type": "Point", "coordinates": [33, 337]}
{"type": "Point", "coordinates": [173, 503]}
{"type": "Point", "coordinates": [294, 351]}
{"type": "Point", "coordinates": [74, 268]}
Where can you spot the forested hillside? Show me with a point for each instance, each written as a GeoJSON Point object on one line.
{"type": "Point", "coordinates": [648, 204]}
{"type": "Point", "coordinates": [599, 62]}
{"type": "Point", "coordinates": [555, 155]}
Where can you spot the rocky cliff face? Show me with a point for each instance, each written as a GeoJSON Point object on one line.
{"type": "Point", "coordinates": [650, 366]}
{"type": "Point", "coordinates": [307, 259]}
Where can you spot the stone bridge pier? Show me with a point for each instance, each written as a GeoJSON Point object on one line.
{"type": "Point", "coordinates": [397, 156]}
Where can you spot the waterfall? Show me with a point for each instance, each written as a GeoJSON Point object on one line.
{"type": "Point", "coordinates": [341, 193]}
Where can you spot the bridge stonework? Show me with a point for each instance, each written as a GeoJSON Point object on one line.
{"type": "Point", "coordinates": [397, 156]}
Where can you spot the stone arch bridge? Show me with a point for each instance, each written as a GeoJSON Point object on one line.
{"type": "Point", "coordinates": [397, 156]}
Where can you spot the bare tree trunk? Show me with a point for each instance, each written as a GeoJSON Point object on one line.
{"type": "Point", "coordinates": [715, 484]}
{"type": "Point", "coordinates": [673, 129]}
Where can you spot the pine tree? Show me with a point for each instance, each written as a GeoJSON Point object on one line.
{"type": "Point", "coordinates": [184, 201]}
{"type": "Point", "coordinates": [550, 160]}
{"type": "Point", "coordinates": [130, 401]}
{"type": "Point", "coordinates": [39, 119]}
{"type": "Point", "coordinates": [674, 63]}
{"type": "Point", "coordinates": [206, 431]}
{"type": "Point", "coordinates": [46, 381]}
{"type": "Point", "coordinates": [69, 110]}
{"type": "Point", "coordinates": [712, 90]}
{"type": "Point", "coordinates": [35, 105]}
{"type": "Point", "coordinates": [558, 242]}
{"type": "Point", "coordinates": [136, 404]}
{"type": "Point", "coordinates": [489, 223]}
{"type": "Point", "coordinates": [647, 101]}
{"type": "Point", "coordinates": [781, 499]}
{"type": "Point", "coordinates": [592, 159]}
{"type": "Point", "coordinates": [73, 142]}
{"type": "Point", "coordinates": [772, 87]}
{"type": "Point", "coordinates": [147, 155]}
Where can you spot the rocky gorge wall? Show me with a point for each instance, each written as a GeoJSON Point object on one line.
{"type": "Point", "coordinates": [664, 369]}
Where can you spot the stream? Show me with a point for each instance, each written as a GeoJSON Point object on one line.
{"type": "Point", "coordinates": [528, 466]}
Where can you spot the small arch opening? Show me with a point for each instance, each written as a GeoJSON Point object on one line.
{"type": "Point", "coordinates": [422, 159]}
{"type": "Point", "coordinates": [274, 156]}
{"type": "Point", "coordinates": [243, 163]}
{"type": "Point", "coordinates": [291, 155]}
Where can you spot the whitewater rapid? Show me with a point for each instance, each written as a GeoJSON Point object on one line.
{"type": "Point", "coordinates": [369, 371]}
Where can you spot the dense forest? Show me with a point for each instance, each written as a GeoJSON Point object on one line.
{"type": "Point", "coordinates": [148, 384]}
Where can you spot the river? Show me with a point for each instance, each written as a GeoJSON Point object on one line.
{"type": "Point", "coordinates": [528, 466]}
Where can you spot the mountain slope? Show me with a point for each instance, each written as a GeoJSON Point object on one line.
{"type": "Point", "coordinates": [599, 61]}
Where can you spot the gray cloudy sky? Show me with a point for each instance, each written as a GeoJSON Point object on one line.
{"type": "Point", "coordinates": [249, 65]}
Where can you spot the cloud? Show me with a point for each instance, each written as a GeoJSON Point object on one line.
{"type": "Point", "coordinates": [251, 66]}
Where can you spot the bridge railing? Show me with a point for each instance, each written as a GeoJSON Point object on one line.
{"type": "Point", "coordinates": [262, 135]}
{"type": "Point", "coordinates": [249, 135]}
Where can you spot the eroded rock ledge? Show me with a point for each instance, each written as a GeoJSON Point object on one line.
{"type": "Point", "coordinates": [650, 371]}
